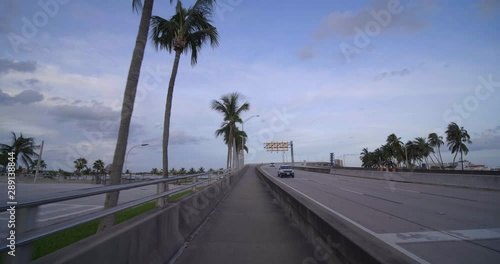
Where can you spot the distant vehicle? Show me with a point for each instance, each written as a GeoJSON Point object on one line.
{"type": "Point", "coordinates": [272, 164]}
{"type": "Point", "coordinates": [286, 171]}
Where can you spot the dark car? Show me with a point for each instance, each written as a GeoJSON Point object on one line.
{"type": "Point", "coordinates": [286, 171]}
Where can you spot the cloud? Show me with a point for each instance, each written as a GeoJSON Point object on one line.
{"type": "Point", "coordinates": [179, 137]}
{"type": "Point", "coordinates": [65, 113]}
{"type": "Point", "coordinates": [489, 140]}
{"type": "Point", "coordinates": [344, 24]}
{"type": "Point", "coordinates": [24, 97]}
{"type": "Point", "coordinates": [306, 53]}
{"type": "Point", "coordinates": [488, 7]}
{"type": "Point", "coordinates": [21, 66]}
{"type": "Point", "coordinates": [383, 75]}
{"type": "Point", "coordinates": [29, 83]}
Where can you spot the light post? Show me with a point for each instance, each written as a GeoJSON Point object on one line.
{"type": "Point", "coordinates": [243, 130]}
{"type": "Point", "coordinates": [126, 156]}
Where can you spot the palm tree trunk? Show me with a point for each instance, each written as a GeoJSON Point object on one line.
{"type": "Point", "coordinates": [127, 109]}
{"type": "Point", "coordinates": [462, 158]}
{"type": "Point", "coordinates": [166, 126]}
{"type": "Point", "coordinates": [235, 154]}
{"type": "Point", "coordinates": [441, 158]}
{"type": "Point", "coordinates": [228, 155]}
{"type": "Point", "coordinates": [454, 159]}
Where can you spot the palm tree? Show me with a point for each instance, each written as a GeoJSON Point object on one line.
{"type": "Point", "coordinates": [192, 171]}
{"type": "Point", "coordinates": [182, 171]}
{"type": "Point", "coordinates": [80, 164]}
{"type": "Point", "coordinates": [456, 138]}
{"type": "Point", "coordinates": [154, 171]}
{"type": "Point", "coordinates": [187, 30]}
{"type": "Point", "coordinates": [43, 165]}
{"type": "Point", "coordinates": [173, 171]}
{"type": "Point", "coordinates": [368, 159]}
{"type": "Point", "coordinates": [424, 149]}
{"type": "Point", "coordinates": [396, 151]}
{"type": "Point", "coordinates": [23, 148]}
{"type": "Point", "coordinates": [128, 105]}
{"type": "Point", "coordinates": [201, 170]}
{"type": "Point", "coordinates": [436, 141]}
{"type": "Point", "coordinates": [229, 107]}
{"type": "Point", "coordinates": [99, 168]}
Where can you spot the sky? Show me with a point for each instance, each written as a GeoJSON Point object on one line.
{"type": "Point", "coordinates": [331, 76]}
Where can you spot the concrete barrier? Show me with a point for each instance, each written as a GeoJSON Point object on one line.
{"type": "Point", "coordinates": [336, 240]}
{"type": "Point", "coordinates": [154, 237]}
{"type": "Point", "coordinates": [485, 182]}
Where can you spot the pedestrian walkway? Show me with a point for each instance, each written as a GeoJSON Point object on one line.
{"type": "Point", "coordinates": [248, 227]}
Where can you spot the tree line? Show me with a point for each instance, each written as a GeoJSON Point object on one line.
{"type": "Point", "coordinates": [396, 154]}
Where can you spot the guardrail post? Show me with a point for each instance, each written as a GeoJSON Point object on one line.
{"type": "Point", "coordinates": [25, 221]}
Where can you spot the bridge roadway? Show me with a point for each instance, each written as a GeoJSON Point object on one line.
{"type": "Point", "coordinates": [437, 224]}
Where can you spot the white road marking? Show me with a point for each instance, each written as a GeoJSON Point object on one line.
{"type": "Point", "coordinates": [57, 207]}
{"type": "Point", "coordinates": [437, 236]}
{"type": "Point", "coordinates": [72, 213]}
{"type": "Point", "coordinates": [402, 190]}
{"type": "Point", "coordinates": [351, 191]}
{"type": "Point", "coordinates": [395, 246]}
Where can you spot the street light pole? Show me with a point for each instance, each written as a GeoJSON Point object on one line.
{"type": "Point", "coordinates": [126, 156]}
{"type": "Point", "coordinates": [243, 130]}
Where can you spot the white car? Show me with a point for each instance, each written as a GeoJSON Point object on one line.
{"type": "Point", "coordinates": [286, 171]}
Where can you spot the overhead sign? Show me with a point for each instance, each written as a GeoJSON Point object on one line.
{"type": "Point", "coordinates": [276, 146]}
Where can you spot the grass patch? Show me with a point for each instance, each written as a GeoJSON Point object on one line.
{"type": "Point", "coordinates": [65, 238]}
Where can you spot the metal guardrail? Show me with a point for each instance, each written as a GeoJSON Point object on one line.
{"type": "Point", "coordinates": [26, 209]}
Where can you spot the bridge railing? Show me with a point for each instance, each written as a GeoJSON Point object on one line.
{"type": "Point", "coordinates": [25, 210]}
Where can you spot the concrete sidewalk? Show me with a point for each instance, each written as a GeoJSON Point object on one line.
{"type": "Point", "coordinates": [248, 227]}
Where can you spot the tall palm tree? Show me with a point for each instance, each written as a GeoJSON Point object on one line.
{"type": "Point", "coordinates": [230, 108]}
{"type": "Point", "coordinates": [80, 164]}
{"type": "Point", "coordinates": [187, 30]}
{"type": "Point", "coordinates": [456, 138]}
{"type": "Point", "coordinates": [436, 141]}
{"type": "Point", "coordinates": [99, 168]}
{"type": "Point", "coordinates": [23, 149]}
{"type": "Point", "coordinates": [128, 105]}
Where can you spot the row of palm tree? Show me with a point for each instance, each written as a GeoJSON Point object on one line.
{"type": "Point", "coordinates": [394, 153]}
{"type": "Point", "coordinates": [186, 31]}
{"type": "Point", "coordinates": [235, 139]}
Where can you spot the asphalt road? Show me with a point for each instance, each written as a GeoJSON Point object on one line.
{"type": "Point", "coordinates": [434, 223]}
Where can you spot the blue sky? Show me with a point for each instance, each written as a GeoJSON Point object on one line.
{"type": "Point", "coordinates": [425, 64]}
